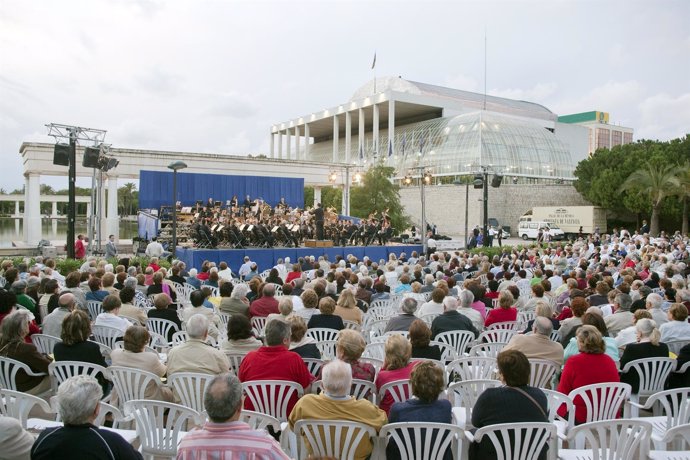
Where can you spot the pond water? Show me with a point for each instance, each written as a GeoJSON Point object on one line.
{"type": "Point", "coordinates": [54, 230]}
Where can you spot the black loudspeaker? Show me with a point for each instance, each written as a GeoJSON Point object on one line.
{"type": "Point", "coordinates": [91, 155]}
{"type": "Point", "coordinates": [61, 155]}
{"type": "Point", "coordinates": [496, 181]}
{"type": "Point", "coordinates": [478, 181]}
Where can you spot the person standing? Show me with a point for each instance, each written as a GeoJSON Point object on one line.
{"type": "Point", "coordinates": [499, 235]}
{"type": "Point", "coordinates": [431, 244]}
{"type": "Point", "coordinates": [318, 219]}
{"type": "Point", "coordinates": [111, 247]}
{"type": "Point", "coordinates": [79, 247]}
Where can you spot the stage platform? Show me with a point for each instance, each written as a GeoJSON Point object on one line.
{"type": "Point", "coordinates": [267, 258]}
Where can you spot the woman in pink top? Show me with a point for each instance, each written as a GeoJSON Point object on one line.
{"type": "Point", "coordinates": [504, 312]}
{"type": "Point", "coordinates": [396, 366]}
{"type": "Point", "coordinates": [478, 291]}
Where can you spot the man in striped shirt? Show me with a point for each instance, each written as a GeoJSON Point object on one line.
{"type": "Point", "coordinates": [224, 436]}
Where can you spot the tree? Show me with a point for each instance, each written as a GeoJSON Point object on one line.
{"type": "Point", "coordinates": [377, 193]}
{"type": "Point", "coordinates": [656, 182]}
{"type": "Point", "coordinates": [330, 197]}
{"type": "Point", "coordinates": [683, 192]}
{"type": "Point", "coordinates": [127, 199]}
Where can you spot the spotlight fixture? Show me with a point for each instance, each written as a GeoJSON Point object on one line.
{"type": "Point", "coordinates": [427, 177]}
{"type": "Point", "coordinates": [357, 177]}
{"type": "Point", "coordinates": [496, 180]}
{"type": "Point", "coordinates": [478, 181]}
{"type": "Point", "coordinates": [332, 177]}
{"type": "Point", "coordinates": [91, 157]}
{"type": "Point", "coordinates": [407, 180]}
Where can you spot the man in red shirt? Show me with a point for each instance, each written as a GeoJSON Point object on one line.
{"type": "Point", "coordinates": [79, 248]}
{"type": "Point", "coordinates": [266, 304]}
{"type": "Point", "coordinates": [275, 362]}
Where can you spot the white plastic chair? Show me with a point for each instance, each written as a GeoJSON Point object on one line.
{"type": "Point", "coordinates": [459, 340]}
{"type": "Point", "coordinates": [374, 329]}
{"type": "Point", "coordinates": [271, 397]}
{"type": "Point", "coordinates": [422, 440]}
{"type": "Point", "coordinates": [674, 346]}
{"type": "Point", "coordinates": [95, 308]}
{"type": "Point", "coordinates": [375, 350]}
{"type": "Point", "coordinates": [675, 407]}
{"type": "Point", "coordinates": [448, 352]}
{"type": "Point", "coordinates": [224, 319]}
{"type": "Point", "coordinates": [487, 349]}
{"type": "Point", "coordinates": [331, 438]}
{"type": "Point", "coordinates": [45, 343]}
{"type": "Point", "coordinates": [678, 435]}
{"type": "Point", "coordinates": [189, 387]}
{"type": "Point", "coordinates": [523, 441]}
{"type": "Point", "coordinates": [621, 439]}
{"type": "Point", "coordinates": [130, 384]}
{"type": "Point", "coordinates": [400, 390]}
{"type": "Point", "coordinates": [355, 326]}
{"type": "Point", "coordinates": [259, 421]}
{"type": "Point", "coordinates": [314, 365]}
{"type": "Point", "coordinates": [464, 395]}
{"type": "Point", "coordinates": [653, 373]}
{"type": "Point", "coordinates": [378, 313]}
{"type": "Point", "coordinates": [541, 372]}
{"type": "Point", "coordinates": [8, 372]}
{"type": "Point", "coordinates": [17, 404]}
{"type": "Point", "coordinates": [60, 371]}
{"type": "Point", "coordinates": [107, 335]}
{"type": "Point", "coordinates": [321, 334]}
{"type": "Point", "coordinates": [429, 318]}
{"type": "Point", "coordinates": [496, 336]}
{"type": "Point", "coordinates": [235, 361]}
{"type": "Point", "coordinates": [509, 325]}
{"type": "Point", "coordinates": [159, 425]}
{"type": "Point", "coordinates": [161, 327]}
{"type": "Point", "coordinates": [327, 349]}
{"type": "Point", "coordinates": [602, 400]}
{"type": "Point", "coordinates": [555, 400]}
{"type": "Point", "coordinates": [258, 325]}
{"type": "Point", "coordinates": [473, 368]}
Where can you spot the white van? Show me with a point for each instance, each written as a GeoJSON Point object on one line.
{"type": "Point", "coordinates": [529, 230]}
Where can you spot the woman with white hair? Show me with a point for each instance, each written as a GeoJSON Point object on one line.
{"type": "Point", "coordinates": [13, 330]}
{"type": "Point", "coordinates": [466, 299]}
{"type": "Point", "coordinates": [647, 346]}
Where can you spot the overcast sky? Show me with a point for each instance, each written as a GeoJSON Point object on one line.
{"type": "Point", "coordinates": [212, 76]}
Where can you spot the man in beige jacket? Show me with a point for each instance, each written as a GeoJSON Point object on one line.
{"type": "Point", "coordinates": [195, 355]}
{"type": "Point", "coordinates": [538, 345]}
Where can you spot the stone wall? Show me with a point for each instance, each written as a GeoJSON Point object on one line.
{"type": "Point", "coordinates": [445, 204]}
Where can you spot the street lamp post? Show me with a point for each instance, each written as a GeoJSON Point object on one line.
{"type": "Point", "coordinates": [175, 166]}
{"type": "Point", "coordinates": [424, 179]}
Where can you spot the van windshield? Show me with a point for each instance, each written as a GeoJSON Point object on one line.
{"type": "Point", "coordinates": [552, 225]}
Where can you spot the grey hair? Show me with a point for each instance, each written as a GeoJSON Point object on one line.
{"type": "Point", "coordinates": [655, 300]}
{"type": "Point", "coordinates": [130, 281]}
{"type": "Point", "coordinates": [624, 301]}
{"type": "Point", "coordinates": [408, 305]}
{"type": "Point", "coordinates": [466, 298]}
{"type": "Point", "coordinates": [428, 278]}
{"type": "Point", "coordinates": [542, 326]}
{"type": "Point", "coordinates": [276, 332]}
{"type": "Point", "coordinates": [450, 303]}
{"type": "Point", "coordinates": [542, 308]}
{"type": "Point", "coordinates": [647, 328]}
{"type": "Point", "coordinates": [285, 306]}
{"type": "Point", "coordinates": [77, 398]}
{"type": "Point", "coordinates": [15, 326]}
{"type": "Point", "coordinates": [337, 378]}
{"type": "Point", "coordinates": [223, 397]}
{"type": "Point", "coordinates": [239, 291]}
{"type": "Point", "coordinates": [331, 288]}
{"type": "Point", "coordinates": [197, 326]}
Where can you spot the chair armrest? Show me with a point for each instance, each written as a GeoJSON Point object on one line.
{"type": "Point", "coordinates": [469, 435]}
{"type": "Point", "coordinates": [35, 374]}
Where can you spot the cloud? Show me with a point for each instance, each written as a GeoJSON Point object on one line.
{"type": "Point", "coordinates": [462, 82]}
{"type": "Point", "coordinates": [663, 116]}
{"type": "Point", "coordinates": [233, 105]}
{"type": "Point", "coordinates": [538, 93]}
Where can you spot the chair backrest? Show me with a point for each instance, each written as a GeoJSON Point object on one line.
{"type": "Point", "coordinates": [510, 325]}
{"type": "Point", "coordinates": [400, 390]}
{"type": "Point", "coordinates": [331, 438]}
{"type": "Point", "coordinates": [363, 389]}
{"type": "Point", "coordinates": [95, 308]}
{"type": "Point", "coordinates": [429, 318]}
{"type": "Point", "coordinates": [423, 440]}
{"type": "Point", "coordinates": [378, 312]}
{"type": "Point", "coordinates": [189, 387]}
{"type": "Point", "coordinates": [314, 365]}
{"type": "Point", "coordinates": [17, 404]}
{"type": "Point", "coordinates": [456, 339]}
{"type": "Point", "coordinates": [386, 303]}
{"type": "Point", "coordinates": [159, 425]}
{"type": "Point", "coordinates": [679, 434]}
{"type": "Point", "coordinates": [327, 349]}
{"type": "Point", "coordinates": [258, 325]}
{"type": "Point", "coordinates": [354, 325]}
{"type": "Point", "coordinates": [675, 404]}
{"type": "Point", "coordinates": [375, 329]}
{"type": "Point", "coordinates": [448, 352]}
{"type": "Point", "coordinates": [375, 350]}
{"type": "Point", "coordinates": [8, 372]}
{"type": "Point", "coordinates": [130, 383]}
{"type": "Point", "coordinates": [465, 393]}
{"type": "Point", "coordinates": [161, 326]}
{"type": "Point", "coordinates": [496, 335]}
{"type": "Point", "coordinates": [653, 373]}
{"type": "Point", "coordinates": [541, 372]}
{"type": "Point", "coordinates": [487, 349]}
{"type": "Point", "coordinates": [602, 400]}
{"type": "Point", "coordinates": [320, 334]}
{"type": "Point", "coordinates": [60, 371]}
{"type": "Point", "coordinates": [674, 346]}
{"type": "Point", "coordinates": [224, 319]}
{"type": "Point", "coordinates": [494, 303]}
{"type": "Point", "coordinates": [106, 335]}
{"type": "Point", "coordinates": [44, 343]}
{"type": "Point", "coordinates": [259, 421]}
{"type": "Point", "coordinates": [133, 321]}
{"type": "Point", "coordinates": [376, 362]}
{"type": "Point", "coordinates": [620, 439]}
{"type": "Point", "coordinates": [473, 368]}
{"type": "Point", "coordinates": [524, 441]}
{"type": "Point", "coordinates": [555, 399]}
{"type": "Point", "coordinates": [271, 397]}
{"type": "Point", "coordinates": [235, 361]}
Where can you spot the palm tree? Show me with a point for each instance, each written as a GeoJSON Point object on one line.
{"type": "Point", "coordinates": [657, 182]}
{"type": "Point", "coordinates": [683, 193]}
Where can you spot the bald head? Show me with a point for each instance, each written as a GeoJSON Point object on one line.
{"type": "Point", "coordinates": [450, 303]}
{"type": "Point", "coordinates": [67, 300]}
{"type": "Point", "coordinates": [542, 326]}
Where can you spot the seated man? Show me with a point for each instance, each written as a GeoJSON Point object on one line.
{"type": "Point", "coordinates": [77, 400]}
{"type": "Point", "coordinates": [403, 321]}
{"type": "Point", "coordinates": [451, 319]}
{"type": "Point", "coordinates": [195, 355]}
{"type": "Point", "coordinates": [275, 362]}
{"type": "Point", "coordinates": [335, 403]}
{"type": "Point", "coordinates": [111, 314]}
{"type": "Point", "coordinates": [265, 305]}
{"type": "Point", "coordinates": [224, 436]}
{"type": "Point", "coordinates": [538, 345]}
{"type": "Point", "coordinates": [52, 324]}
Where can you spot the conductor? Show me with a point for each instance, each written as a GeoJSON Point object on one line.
{"type": "Point", "coordinates": [318, 219]}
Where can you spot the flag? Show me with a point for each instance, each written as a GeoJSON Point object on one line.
{"type": "Point", "coordinates": [361, 152]}
{"type": "Point", "coordinates": [390, 148]}
{"type": "Point", "coordinates": [373, 64]}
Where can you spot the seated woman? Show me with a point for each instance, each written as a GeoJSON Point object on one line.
{"type": "Point", "coordinates": [346, 307]}
{"type": "Point", "coordinates": [301, 343]}
{"type": "Point", "coordinates": [163, 310]}
{"type": "Point", "coordinates": [420, 336]}
{"type": "Point", "coordinates": [274, 277]}
{"type": "Point", "coordinates": [133, 355]}
{"type": "Point", "coordinates": [15, 328]}
{"type": "Point", "coordinates": [326, 319]}
{"type": "Point", "coordinates": [513, 403]}
{"type": "Point", "coordinates": [542, 308]}
{"type": "Point", "coordinates": [647, 346]}
{"type": "Point", "coordinates": [285, 309]}
{"type": "Point", "coordinates": [505, 311]}
{"type": "Point", "coordinates": [596, 320]}
{"type": "Point", "coordinates": [75, 345]}
{"type": "Point", "coordinates": [588, 367]}
{"type": "Point", "coordinates": [396, 366]}
{"type": "Point", "coordinates": [240, 338]}
{"type": "Point", "coordinates": [310, 301]}
{"type": "Point", "coordinates": [294, 274]}
{"type": "Point", "coordinates": [427, 384]}
{"type": "Point", "coordinates": [349, 348]}
{"type": "Point", "coordinates": [159, 287]}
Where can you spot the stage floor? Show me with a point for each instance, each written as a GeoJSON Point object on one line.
{"type": "Point", "coordinates": [267, 258]}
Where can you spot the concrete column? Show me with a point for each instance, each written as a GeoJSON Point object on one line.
{"type": "Point", "coordinates": [375, 125]}
{"type": "Point", "coordinates": [336, 133]}
{"type": "Point", "coordinates": [307, 141]}
{"type": "Point", "coordinates": [391, 128]}
{"type": "Point", "coordinates": [288, 138]}
{"type": "Point", "coordinates": [273, 152]}
{"type": "Point", "coordinates": [348, 136]}
{"type": "Point", "coordinates": [317, 195]}
{"type": "Point", "coordinates": [53, 214]}
{"type": "Point", "coordinates": [280, 145]}
{"type": "Point", "coordinates": [88, 210]}
{"type": "Point", "coordinates": [360, 134]}
{"type": "Point", "coordinates": [32, 209]}
{"type": "Point", "coordinates": [16, 209]}
{"type": "Point", "coordinates": [113, 220]}
{"type": "Point", "coordinates": [297, 143]}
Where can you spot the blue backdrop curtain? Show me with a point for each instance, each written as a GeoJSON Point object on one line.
{"type": "Point", "coordinates": [155, 188]}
